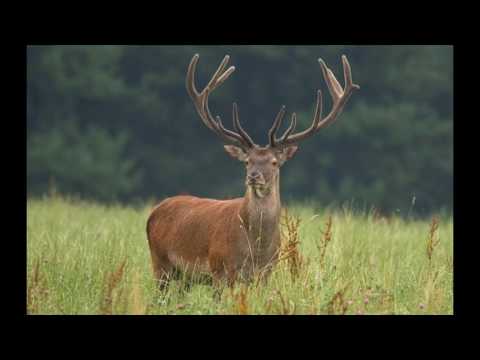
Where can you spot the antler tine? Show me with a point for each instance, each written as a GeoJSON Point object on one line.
{"type": "Point", "coordinates": [218, 128]}
{"type": "Point", "coordinates": [225, 75]}
{"type": "Point", "coordinates": [292, 126]}
{"type": "Point", "coordinates": [276, 125]}
{"type": "Point", "coordinates": [200, 100]}
{"type": "Point", "coordinates": [220, 75]}
{"type": "Point", "coordinates": [208, 120]}
{"type": "Point", "coordinates": [340, 97]}
{"type": "Point", "coordinates": [316, 119]}
{"type": "Point", "coordinates": [228, 134]}
{"type": "Point", "coordinates": [345, 94]}
{"type": "Point", "coordinates": [240, 136]}
{"type": "Point", "coordinates": [190, 83]}
{"type": "Point", "coordinates": [238, 127]}
{"type": "Point", "coordinates": [347, 74]}
{"type": "Point", "coordinates": [195, 95]}
{"type": "Point", "coordinates": [213, 81]}
{"type": "Point", "coordinates": [334, 87]}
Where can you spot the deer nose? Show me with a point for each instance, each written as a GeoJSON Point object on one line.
{"type": "Point", "coordinates": [254, 175]}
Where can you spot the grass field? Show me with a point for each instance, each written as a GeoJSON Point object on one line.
{"type": "Point", "coordinates": [86, 258]}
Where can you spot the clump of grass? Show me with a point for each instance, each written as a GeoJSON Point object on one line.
{"type": "Point", "coordinates": [112, 280]}
{"type": "Point", "coordinates": [290, 244]}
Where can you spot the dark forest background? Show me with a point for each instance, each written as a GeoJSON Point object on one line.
{"type": "Point", "coordinates": [115, 123]}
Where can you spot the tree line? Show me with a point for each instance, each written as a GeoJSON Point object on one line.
{"type": "Point", "coordinates": [115, 123]}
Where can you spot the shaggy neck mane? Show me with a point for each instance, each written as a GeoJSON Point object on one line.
{"type": "Point", "coordinates": [261, 215]}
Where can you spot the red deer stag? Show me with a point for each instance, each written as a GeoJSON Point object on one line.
{"type": "Point", "coordinates": [232, 239]}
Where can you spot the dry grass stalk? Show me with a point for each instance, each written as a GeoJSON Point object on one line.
{"type": "Point", "coordinates": [286, 308]}
{"type": "Point", "coordinates": [52, 188]}
{"type": "Point", "coordinates": [290, 240]}
{"type": "Point", "coordinates": [325, 240]}
{"type": "Point", "coordinates": [431, 291]}
{"type": "Point", "coordinates": [111, 282]}
{"type": "Point", "coordinates": [36, 289]}
{"type": "Point", "coordinates": [450, 262]}
{"type": "Point", "coordinates": [433, 238]}
{"type": "Point", "coordinates": [378, 216]}
{"type": "Point", "coordinates": [268, 305]}
{"type": "Point", "coordinates": [241, 301]}
{"type": "Point", "coordinates": [338, 305]}
{"type": "Point", "coordinates": [138, 306]}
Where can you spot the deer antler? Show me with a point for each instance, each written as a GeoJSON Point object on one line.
{"type": "Point", "coordinates": [240, 137]}
{"type": "Point", "coordinates": [340, 97]}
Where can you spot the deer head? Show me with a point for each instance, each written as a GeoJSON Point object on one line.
{"type": "Point", "coordinates": [263, 163]}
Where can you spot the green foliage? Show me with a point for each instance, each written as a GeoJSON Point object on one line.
{"type": "Point", "coordinates": [393, 142]}
{"type": "Point", "coordinates": [407, 154]}
{"type": "Point", "coordinates": [87, 258]}
{"type": "Point", "coordinates": [89, 164]}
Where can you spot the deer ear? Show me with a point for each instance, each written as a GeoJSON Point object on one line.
{"type": "Point", "coordinates": [236, 152]}
{"type": "Point", "coordinates": [287, 153]}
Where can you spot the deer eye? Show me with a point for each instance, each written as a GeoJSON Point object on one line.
{"type": "Point", "coordinates": [274, 162]}
{"type": "Point", "coordinates": [247, 162]}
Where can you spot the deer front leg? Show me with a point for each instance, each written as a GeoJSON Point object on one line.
{"type": "Point", "coordinates": [224, 273]}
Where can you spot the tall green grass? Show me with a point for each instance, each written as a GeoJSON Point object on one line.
{"type": "Point", "coordinates": [86, 258]}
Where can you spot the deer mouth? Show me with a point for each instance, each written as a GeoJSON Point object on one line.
{"type": "Point", "coordinates": [260, 190]}
{"type": "Point", "coordinates": [255, 184]}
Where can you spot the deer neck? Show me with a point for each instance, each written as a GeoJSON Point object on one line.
{"type": "Point", "coordinates": [260, 214]}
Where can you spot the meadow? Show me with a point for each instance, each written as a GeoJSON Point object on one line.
{"type": "Point", "coordinates": [88, 258]}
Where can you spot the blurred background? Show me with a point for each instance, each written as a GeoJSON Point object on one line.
{"type": "Point", "coordinates": [115, 123]}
